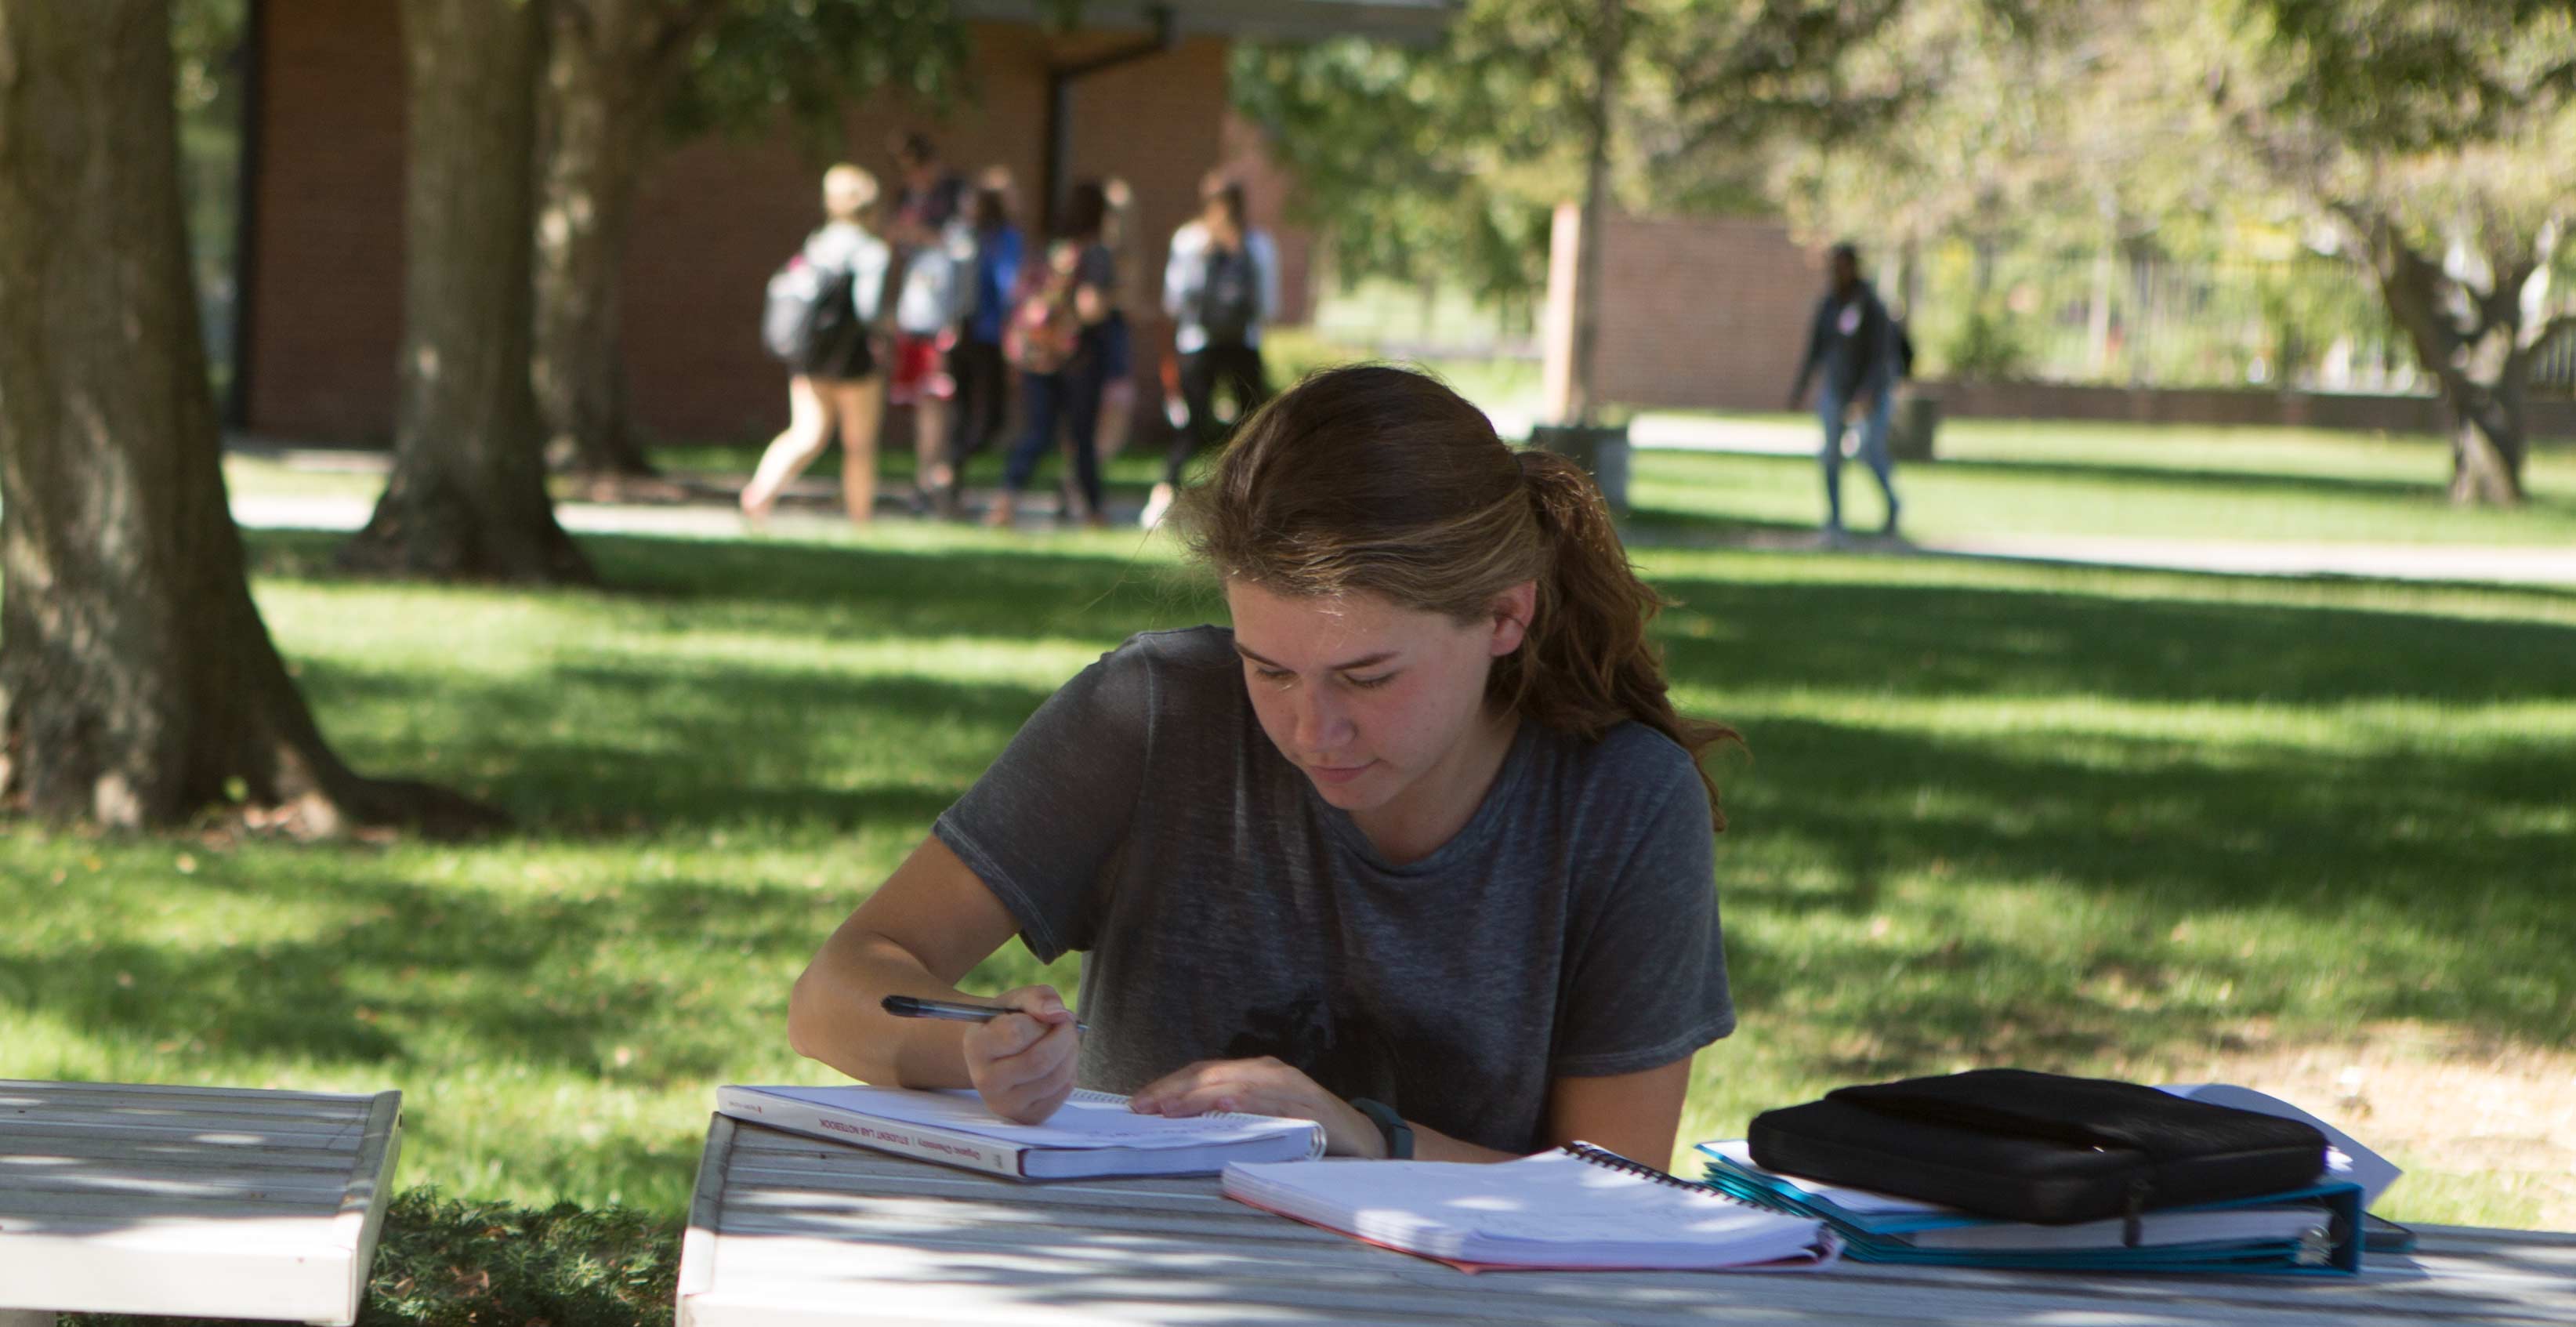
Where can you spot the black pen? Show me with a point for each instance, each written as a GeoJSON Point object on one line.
{"type": "Point", "coordinates": [906, 1006]}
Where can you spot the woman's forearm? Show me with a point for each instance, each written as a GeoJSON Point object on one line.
{"type": "Point", "coordinates": [834, 1015]}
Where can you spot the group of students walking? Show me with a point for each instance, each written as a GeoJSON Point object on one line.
{"type": "Point", "coordinates": [940, 304]}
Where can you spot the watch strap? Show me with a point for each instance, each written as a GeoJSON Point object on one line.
{"type": "Point", "coordinates": [1398, 1134]}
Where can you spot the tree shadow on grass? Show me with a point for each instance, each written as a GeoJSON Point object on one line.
{"type": "Point", "coordinates": [1917, 640]}
{"type": "Point", "coordinates": [2407, 864]}
{"type": "Point", "coordinates": [595, 746]}
{"type": "Point", "coordinates": [517, 977]}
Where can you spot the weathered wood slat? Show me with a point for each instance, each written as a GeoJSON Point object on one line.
{"type": "Point", "coordinates": [321, 1191]}
{"type": "Point", "coordinates": [358, 1101]}
{"type": "Point", "coordinates": [34, 1204]}
{"type": "Point", "coordinates": [201, 1101]}
{"type": "Point", "coordinates": [42, 1152]}
{"type": "Point", "coordinates": [343, 1143]}
{"type": "Point", "coordinates": [65, 1115]}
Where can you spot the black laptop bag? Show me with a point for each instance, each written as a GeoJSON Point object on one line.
{"type": "Point", "coordinates": [2037, 1147]}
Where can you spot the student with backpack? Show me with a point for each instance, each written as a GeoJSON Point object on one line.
{"type": "Point", "coordinates": [1089, 270]}
{"type": "Point", "coordinates": [1221, 282]}
{"type": "Point", "coordinates": [1044, 341]}
{"type": "Point", "coordinates": [816, 320]}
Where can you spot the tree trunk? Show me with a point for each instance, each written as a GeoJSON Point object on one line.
{"type": "Point", "coordinates": [1608, 50]}
{"type": "Point", "coordinates": [137, 682]}
{"type": "Point", "coordinates": [467, 498]}
{"type": "Point", "coordinates": [2483, 373]}
{"type": "Point", "coordinates": [610, 67]}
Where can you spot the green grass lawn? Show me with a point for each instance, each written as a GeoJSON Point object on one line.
{"type": "Point", "coordinates": [2079, 820]}
{"type": "Point", "coordinates": [2039, 477]}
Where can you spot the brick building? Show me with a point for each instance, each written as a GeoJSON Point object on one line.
{"type": "Point", "coordinates": [1139, 91]}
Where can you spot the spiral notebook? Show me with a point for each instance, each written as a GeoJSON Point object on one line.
{"type": "Point", "coordinates": [1577, 1208]}
{"type": "Point", "coordinates": [1093, 1135]}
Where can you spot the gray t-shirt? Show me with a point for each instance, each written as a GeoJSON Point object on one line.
{"type": "Point", "coordinates": [1225, 910]}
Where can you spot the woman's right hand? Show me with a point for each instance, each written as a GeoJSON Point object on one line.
{"type": "Point", "coordinates": [1022, 1063]}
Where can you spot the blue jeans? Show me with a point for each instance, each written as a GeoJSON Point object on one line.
{"type": "Point", "coordinates": [1830, 411]}
{"type": "Point", "coordinates": [1072, 396]}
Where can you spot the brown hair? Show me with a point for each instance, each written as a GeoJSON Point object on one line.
{"type": "Point", "coordinates": [1383, 479]}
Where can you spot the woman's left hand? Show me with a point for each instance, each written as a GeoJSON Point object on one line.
{"type": "Point", "coordinates": [1264, 1086]}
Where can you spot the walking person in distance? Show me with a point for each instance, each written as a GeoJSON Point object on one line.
{"type": "Point", "coordinates": [1853, 341]}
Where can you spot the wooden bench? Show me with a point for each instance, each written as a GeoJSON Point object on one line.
{"type": "Point", "coordinates": [784, 1229]}
{"type": "Point", "coordinates": [209, 1202]}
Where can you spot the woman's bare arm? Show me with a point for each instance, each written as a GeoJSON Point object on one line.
{"type": "Point", "coordinates": [930, 923]}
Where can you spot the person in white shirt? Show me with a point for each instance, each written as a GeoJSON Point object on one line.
{"type": "Point", "coordinates": [1221, 283]}
{"type": "Point", "coordinates": [841, 388]}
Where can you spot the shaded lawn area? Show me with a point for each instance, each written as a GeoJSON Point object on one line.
{"type": "Point", "coordinates": [2026, 477]}
{"type": "Point", "coordinates": [2079, 820]}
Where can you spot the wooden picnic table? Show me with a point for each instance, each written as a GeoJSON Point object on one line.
{"type": "Point", "coordinates": [208, 1202]}
{"type": "Point", "coordinates": [795, 1231]}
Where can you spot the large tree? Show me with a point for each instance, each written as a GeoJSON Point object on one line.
{"type": "Point", "coordinates": [467, 497]}
{"type": "Point", "coordinates": [137, 681]}
{"type": "Point", "coordinates": [609, 70]}
{"type": "Point", "coordinates": [626, 77]}
{"type": "Point", "coordinates": [2438, 139]}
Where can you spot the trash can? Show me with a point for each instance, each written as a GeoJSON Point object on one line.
{"type": "Point", "coordinates": [1918, 417]}
{"type": "Point", "coordinates": [1601, 449]}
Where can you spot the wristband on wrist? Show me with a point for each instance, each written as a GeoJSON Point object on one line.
{"type": "Point", "coordinates": [1398, 1134]}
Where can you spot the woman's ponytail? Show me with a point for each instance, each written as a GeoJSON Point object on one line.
{"type": "Point", "coordinates": [1587, 665]}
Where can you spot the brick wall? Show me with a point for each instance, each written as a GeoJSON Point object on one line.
{"type": "Point", "coordinates": [1703, 313]}
{"type": "Point", "coordinates": [326, 293]}
{"type": "Point", "coordinates": [716, 216]}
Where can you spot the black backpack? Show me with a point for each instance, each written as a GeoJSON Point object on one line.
{"type": "Point", "coordinates": [807, 314]}
{"type": "Point", "coordinates": [1228, 299]}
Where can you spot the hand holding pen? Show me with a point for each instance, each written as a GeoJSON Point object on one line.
{"type": "Point", "coordinates": [1022, 1067]}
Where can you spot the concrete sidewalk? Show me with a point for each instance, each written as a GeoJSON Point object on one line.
{"type": "Point", "coordinates": [2475, 564]}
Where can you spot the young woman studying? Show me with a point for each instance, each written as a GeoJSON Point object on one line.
{"type": "Point", "coordinates": [1418, 849]}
